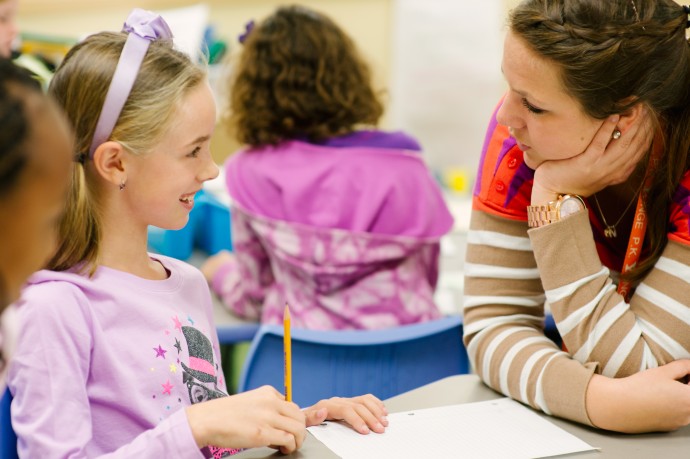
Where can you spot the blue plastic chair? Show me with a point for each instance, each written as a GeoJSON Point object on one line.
{"type": "Point", "coordinates": [8, 439]}
{"type": "Point", "coordinates": [233, 334]}
{"type": "Point", "coordinates": [384, 362]}
{"type": "Point", "coordinates": [551, 330]}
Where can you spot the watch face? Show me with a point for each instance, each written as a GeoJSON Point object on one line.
{"type": "Point", "coordinates": [569, 206]}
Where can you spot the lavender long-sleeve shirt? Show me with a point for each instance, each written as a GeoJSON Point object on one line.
{"type": "Point", "coordinates": [105, 366]}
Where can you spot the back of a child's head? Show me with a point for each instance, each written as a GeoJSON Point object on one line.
{"type": "Point", "coordinates": [300, 76]}
{"type": "Point", "coordinates": [15, 82]}
{"type": "Point", "coordinates": [80, 86]}
{"type": "Point", "coordinates": [15, 130]}
{"type": "Point", "coordinates": [35, 163]}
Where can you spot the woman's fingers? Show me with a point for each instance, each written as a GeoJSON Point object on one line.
{"type": "Point", "coordinates": [604, 135]}
{"type": "Point", "coordinates": [606, 161]}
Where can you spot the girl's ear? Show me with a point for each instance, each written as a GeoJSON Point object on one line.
{"type": "Point", "coordinates": [109, 161]}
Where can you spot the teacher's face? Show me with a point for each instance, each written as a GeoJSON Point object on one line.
{"type": "Point", "coordinates": [547, 123]}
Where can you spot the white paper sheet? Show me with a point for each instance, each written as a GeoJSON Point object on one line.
{"type": "Point", "coordinates": [501, 429]}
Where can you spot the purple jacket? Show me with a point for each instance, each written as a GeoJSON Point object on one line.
{"type": "Point", "coordinates": [347, 233]}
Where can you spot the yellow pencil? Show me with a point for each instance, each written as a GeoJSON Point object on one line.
{"type": "Point", "coordinates": [287, 353]}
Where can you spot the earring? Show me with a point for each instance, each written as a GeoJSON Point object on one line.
{"type": "Point", "coordinates": [616, 135]}
{"type": "Point", "coordinates": [122, 185]}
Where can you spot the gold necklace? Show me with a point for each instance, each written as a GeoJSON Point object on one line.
{"type": "Point", "coordinates": [610, 230]}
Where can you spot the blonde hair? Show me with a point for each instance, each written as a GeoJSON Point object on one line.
{"type": "Point", "coordinates": [80, 86]}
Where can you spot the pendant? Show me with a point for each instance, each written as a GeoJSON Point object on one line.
{"type": "Point", "coordinates": [610, 231]}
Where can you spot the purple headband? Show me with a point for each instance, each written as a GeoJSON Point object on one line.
{"type": "Point", "coordinates": [143, 27]}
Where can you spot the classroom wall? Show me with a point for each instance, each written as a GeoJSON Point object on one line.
{"type": "Point", "coordinates": [460, 40]}
{"type": "Point", "coordinates": [446, 80]}
{"type": "Point", "coordinates": [367, 21]}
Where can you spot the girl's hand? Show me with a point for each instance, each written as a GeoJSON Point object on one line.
{"type": "Point", "coordinates": [605, 162]}
{"type": "Point", "coordinates": [653, 400]}
{"type": "Point", "coordinates": [363, 413]}
{"type": "Point", "coordinates": [260, 417]}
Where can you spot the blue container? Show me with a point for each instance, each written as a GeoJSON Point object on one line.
{"type": "Point", "coordinates": [208, 229]}
{"type": "Point", "coordinates": [176, 243]}
{"type": "Point", "coordinates": [212, 232]}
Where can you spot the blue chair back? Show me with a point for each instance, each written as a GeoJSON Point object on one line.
{"type": "Point", "coordinates": [8, 439]}
{"type": "Point", "coordinates": [384, 362]}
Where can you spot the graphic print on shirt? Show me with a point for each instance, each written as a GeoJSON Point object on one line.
{"type": "Point", "coordinates": [170, 363]}
{"type": "Point", "coordinates": [184, 369]}
{"type": "Point", "coordinates": [199, 374]}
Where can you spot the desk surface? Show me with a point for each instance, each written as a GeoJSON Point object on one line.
{"type": "Point", "coordinates": [468, 388]}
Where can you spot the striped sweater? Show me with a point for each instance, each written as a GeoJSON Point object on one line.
{"type": "Point", "coordinates": [511, 273]}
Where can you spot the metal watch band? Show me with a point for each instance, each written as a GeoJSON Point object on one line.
{"type": "Point", "coordinates": [540, 215]}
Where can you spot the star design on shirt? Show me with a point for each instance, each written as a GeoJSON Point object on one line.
{"type": "Point", "coordinates": [177, 323]}
{"type": "Point", "coordinates": [173, 368]}
{"type": "Point", "coordinates": [178, 346]}
{"type": "Point", "coordinates": [190, 320]}
{"type": "Point", "coordinates": [160, 352]}
{"type": "Point", "coordinates": [167, 387]}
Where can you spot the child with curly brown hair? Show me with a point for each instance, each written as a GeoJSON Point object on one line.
{"type": "Point", "coordinates": [331, 215]}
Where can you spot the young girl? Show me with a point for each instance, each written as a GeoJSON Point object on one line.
{"type": "Point", "coordinates": [339, 220]}
{"type": "Point", "coordinates": [118, 353]}
{"type": "Point", "coordinates": [35, 163]}
{"type": "Point", "coordinates": [590, 149]}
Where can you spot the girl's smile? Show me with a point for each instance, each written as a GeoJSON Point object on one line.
{"type": "Point", "coordinates": [187, 200]}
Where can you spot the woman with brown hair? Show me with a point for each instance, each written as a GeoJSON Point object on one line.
{"type": "Point", "coordinates": [582, 203]}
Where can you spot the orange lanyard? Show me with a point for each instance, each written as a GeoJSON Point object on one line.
{"type": "Point", "coordinates": [639, 228]}
{"type": "Point", "coordinates": [632, 254]}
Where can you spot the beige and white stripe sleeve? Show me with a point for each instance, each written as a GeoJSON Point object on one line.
{"type": "Point", "coordinates": [503, 320]}
{"type": "Point", "coordinates": [596, 324]}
